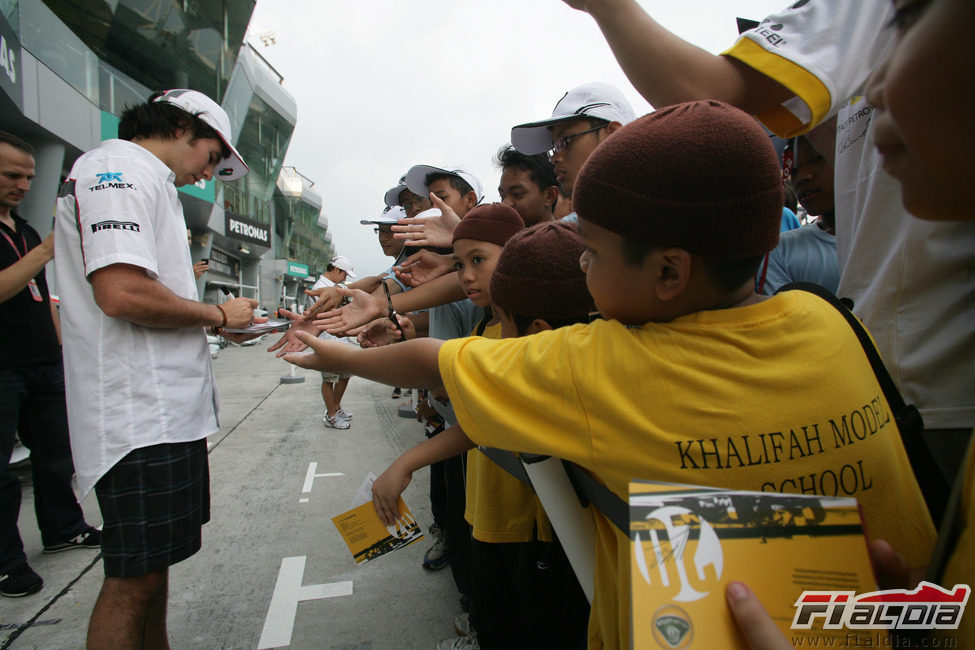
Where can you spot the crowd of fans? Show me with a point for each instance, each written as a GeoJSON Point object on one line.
{"type": "Point", "coordinates": [626, 307]}
{"type": "Point", "coordinates": [679, 216]}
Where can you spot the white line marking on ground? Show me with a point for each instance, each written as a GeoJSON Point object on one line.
{"type": "Point", "coordinates": [310, 476]}
{"type": "Point", "coordinates": [288, 592]}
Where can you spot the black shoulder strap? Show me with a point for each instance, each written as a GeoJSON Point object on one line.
{"type": "Point", "coordinates": [482, 325]}
{"type": "Point", "coordinates": [507, 461]}
{"type": "Point", "coordinates": [929, 476]}
{"type": "Point", "coordinates": [588, 489]}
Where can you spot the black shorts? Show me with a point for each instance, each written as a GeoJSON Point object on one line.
{"type": "Point", "coordinates": [154, 503]}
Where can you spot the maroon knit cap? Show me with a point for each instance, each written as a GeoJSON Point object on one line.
{"type": "Point", "coordinates": [494, 223]}
{"type": "Point", "coordinates": [702, 176]}
{"type": "Point", "coordinates": [538, 274]}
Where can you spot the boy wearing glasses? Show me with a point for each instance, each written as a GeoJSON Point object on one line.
{"type": "Point", "coordinates": [583, 118]}
{"type": "Point", "coordinates": [400, 195]}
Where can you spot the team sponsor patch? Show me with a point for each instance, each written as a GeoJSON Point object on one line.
{"type": "Point", "coordinates": [115, 225]}
{"type": "Point", "coordinates": [110, 181]}
{"type": "Point", "coordinates": [672, 628]}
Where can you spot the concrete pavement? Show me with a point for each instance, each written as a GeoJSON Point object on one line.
{"type": "Point", "coordinates": [267, 538]}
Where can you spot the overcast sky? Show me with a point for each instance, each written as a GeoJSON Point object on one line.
{"type": "Point", "coordinates": [382, 85]}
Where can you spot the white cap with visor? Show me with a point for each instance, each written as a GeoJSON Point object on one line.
{"type": "Point", "coordinates": [416, 179]}
{"type": "Point", "coordinates": [596, 99]}
{"type": "Point", "coordinates": [196, 103]}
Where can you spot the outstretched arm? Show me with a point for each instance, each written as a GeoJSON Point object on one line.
{"type": "Point", "coordinates": [391, 483]}
{"type": "Point", "coordinates": [289, 340]}
{"type": "Point", "coordinates": [439, 291]}
{"type": "Point", "coordinates": [366, 307]}
{"type": "Point", "coordinates": [383, 331]}
{"type": "Point", "coordinates": [411, 364]}
{"type": "Point", "coordinates": [423, 266]}
{"type": "Point", "coordinates": [434, 230]}
{"type": "Point", "coordinates": [666, 69]}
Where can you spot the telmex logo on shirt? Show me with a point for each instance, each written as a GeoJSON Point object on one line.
{"type": "Point", "coordinates": [110, 181]}
{"type": "Point", "coordinates": [115, 225]}
{"type": "Point", "coordinates": [768, 32]}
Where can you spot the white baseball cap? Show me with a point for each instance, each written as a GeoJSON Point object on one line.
{"type": "Point", "coordinates": [198, 104]}
{"type": "Point", "coordinates": [342, 262]}
{"type": "Point", "coordinates": [416, 179]}
{"type": "Point", "coordinates": [595, 99]}
{"type": "Point", "coordinates": [392, 194]}
{"type": "Point", "coordinates": [389, 216]}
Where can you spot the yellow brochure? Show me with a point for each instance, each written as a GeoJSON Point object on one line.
{"type": "Point", "coordinates": [687, 543]}
{"type": "Point", "coordinates": [368, 538]}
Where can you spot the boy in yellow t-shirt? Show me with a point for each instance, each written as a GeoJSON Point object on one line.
{"type": "Point", "coordinates": [524, 591]}
{"type": "Point", "coordinates": [692, 377]}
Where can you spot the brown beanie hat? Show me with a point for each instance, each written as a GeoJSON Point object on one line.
{"type": "Point", "coordinates": [494, 223]}
{"type": "Point", "coordinates": [702, 176]}
{"type": "Point", "coordinates": [538, 273]}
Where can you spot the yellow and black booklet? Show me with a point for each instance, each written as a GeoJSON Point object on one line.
{"type": "Point", "coordinates": [688, 542]}
{"type": "Point", "coordinates": [364, 532]}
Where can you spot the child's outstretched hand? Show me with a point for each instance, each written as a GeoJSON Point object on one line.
{"type": "Point", "coordinates": [386, 491]}
{"type": "Point", "coordinates": [363, 308]}
{"type": "Point", "coordinates": [382, 331]}
{"type": "Point", "coordinates": [431, 229]}
{"type": "Point", "coordinates": [327, 354]}
{"type": "Point", "coordinates": [423, 266]}
{"type": "Point", "coordinates": [289, 341]}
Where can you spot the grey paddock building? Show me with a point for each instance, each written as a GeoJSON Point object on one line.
{"type": "Point", "coordinates": [69, 67]}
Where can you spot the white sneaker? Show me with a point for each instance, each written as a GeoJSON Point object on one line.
{"type": "Point", "coordinates": [459, 643]}
{"type": "Point", "coordinates": [335, 422]}
{"type": "Point", "coordinates": [462, 624]}
{"type": "Point", "coordinates": [436, 556]}
{"type": "Point", "coordinates": [342, 413]}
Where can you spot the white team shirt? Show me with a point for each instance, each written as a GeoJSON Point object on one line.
{"type": "Point", "coordinates": [910, 280]}
{"type": "Point", "coordinates": [127, 386]}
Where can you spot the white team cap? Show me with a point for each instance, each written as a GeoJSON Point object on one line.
{"type": "Point", "coordinates": [416, 179]}
{"type": "Point", "coordinates": [388, 216]}
{"type": "Point", "coordinates": [198, 104]}
{"type": "Point", "coordinates": [392, 194]}
{"type": "Point", "coordinates": [344, 263]}
{"type": "Point", "coordinates": [595, 99]}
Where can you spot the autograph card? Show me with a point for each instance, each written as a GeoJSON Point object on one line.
{"type": "Point", "coordinates": [688, 543]}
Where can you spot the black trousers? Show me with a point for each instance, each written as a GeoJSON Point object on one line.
{"type": "Point", "coordinates": [525, 595]}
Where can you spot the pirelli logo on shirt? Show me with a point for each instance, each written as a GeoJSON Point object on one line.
{"type": "Point", "coordinates": [115, 225]}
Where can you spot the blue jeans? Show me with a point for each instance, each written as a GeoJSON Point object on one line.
{"type": "Point", "coordinates": [32, 403]}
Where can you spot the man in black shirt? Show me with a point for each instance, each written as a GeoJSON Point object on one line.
{"type": "Point", "coordinates": [31, 386]}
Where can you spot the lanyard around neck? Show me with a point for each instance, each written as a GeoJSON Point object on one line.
{"type": "Point", "coordinates": [13, 245]}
